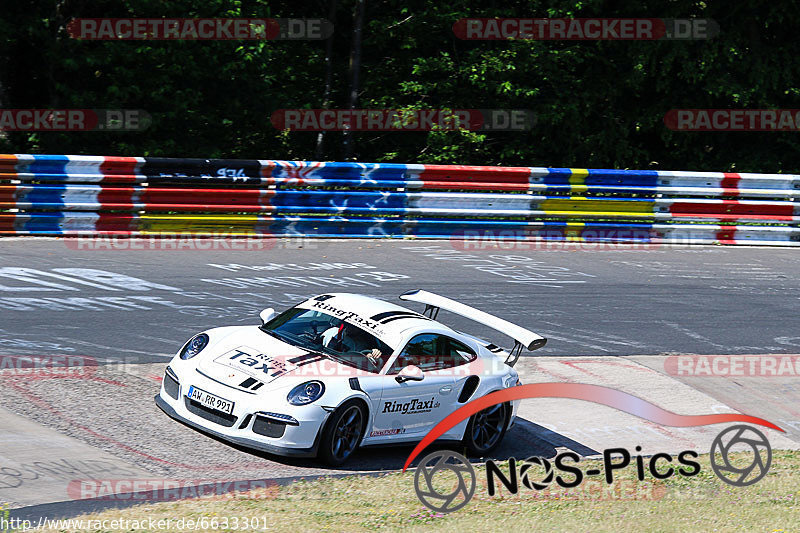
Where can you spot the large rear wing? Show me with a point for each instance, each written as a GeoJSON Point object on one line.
{"type": "Point", "coordinates": [523, 338]}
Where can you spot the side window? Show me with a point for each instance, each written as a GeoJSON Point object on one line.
{"type": "Point", "coordinates": [421, 346]}
{"type": "Point", "coordinates": [430, 351]}
{"type": "Point", "coordinates": [460, 352]}
{"type": "Point", "coordinates": [420, 351]}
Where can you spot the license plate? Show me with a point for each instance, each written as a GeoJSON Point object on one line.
{"type": "Point", "coordinates": [209, 400]}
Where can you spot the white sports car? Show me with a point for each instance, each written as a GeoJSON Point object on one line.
{"type": "Point", "coordinates": [339, 371]}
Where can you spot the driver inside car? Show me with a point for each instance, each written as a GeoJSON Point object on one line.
{"type": "Point", "coordinates": [349, 338]}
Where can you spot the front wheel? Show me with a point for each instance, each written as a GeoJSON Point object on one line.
{"type": "Point", "coordinates": [342, 433]}
{"type": "Point", "coordinates": [486, 429]}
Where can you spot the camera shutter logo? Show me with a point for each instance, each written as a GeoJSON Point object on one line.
{"type": "Point", "coordinates": [444, 461]}
{"type": "Point", "coordinates": [546, 479]}
{"type": "Point", "coordinates": [722, 447]}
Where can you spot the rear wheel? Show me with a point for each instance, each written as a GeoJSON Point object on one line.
{"type": "Point", "coordinates": [342, 433]}
{"type": "Point", "coordinates": [486, 429]}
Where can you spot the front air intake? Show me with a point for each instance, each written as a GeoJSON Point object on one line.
{"type": "Point", "coordinates": [171, 386]}
{"type": "Point", "coordinates": [269, 427]}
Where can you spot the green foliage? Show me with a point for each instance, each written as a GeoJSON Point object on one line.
{"type": "Point", "coordinates": [598, 104]}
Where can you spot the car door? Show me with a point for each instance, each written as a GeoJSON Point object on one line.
{"type": "Point", "coordinates": [409, 409]}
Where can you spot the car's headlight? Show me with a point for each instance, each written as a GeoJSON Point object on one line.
{"type": "Point", "coordinates": [194, 346]}
{"type": "Point", "coordinates": [306, 393]}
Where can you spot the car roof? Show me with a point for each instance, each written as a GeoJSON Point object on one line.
{"type": "Point", "coordinates": [388, 321]}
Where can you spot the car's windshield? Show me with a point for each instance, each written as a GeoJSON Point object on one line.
{"type": "Point", "coordinates": [340, 340]}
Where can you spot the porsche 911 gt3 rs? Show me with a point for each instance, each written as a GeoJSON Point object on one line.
{"type": "Point", "coordinates": [339, 371]}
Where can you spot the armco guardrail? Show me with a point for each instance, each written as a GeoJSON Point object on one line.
{"type": "Point", "coordinates": [72, 195]}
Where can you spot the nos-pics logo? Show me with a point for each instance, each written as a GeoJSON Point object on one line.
{"type": "Point", "coordinates": [444, 497]}
{"type": "Point", "coordinates": [445, 481]}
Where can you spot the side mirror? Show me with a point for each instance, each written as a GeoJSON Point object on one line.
{"type": "Point", "coordinates": [267, 315]}
{"type": "Point", "coordinates": [410, 373]}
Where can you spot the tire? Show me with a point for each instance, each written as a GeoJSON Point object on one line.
{"type": "Point", "coordinates": [486, 429]}
{"type": "Point", "coordinates": [343, 432]}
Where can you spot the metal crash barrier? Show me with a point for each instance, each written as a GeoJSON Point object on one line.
{"type": "Point", "coordinates": [79, 195]}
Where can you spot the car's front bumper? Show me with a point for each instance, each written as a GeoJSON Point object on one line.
{"type": "Point", "coordinates": [297, 438]}
{"type": "Point", "coordinates": [241, 441]}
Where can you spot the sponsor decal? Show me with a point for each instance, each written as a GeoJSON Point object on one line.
{"type": "Point", "coordinates": [413, 407]}
{"type": "Point", "coordinates": [256, 364]}
{"type": "Point", "coordinates": [385, 432]}
{"type": "Point", "coordinates": [391, 316]}
{"type": "Point", "coordinates": [350, 317]}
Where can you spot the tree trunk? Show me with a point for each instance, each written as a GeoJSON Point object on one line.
{"type": "Point", "coordinates": [326, 93]}
{"type": "Point", "coordinates": [355, 68]}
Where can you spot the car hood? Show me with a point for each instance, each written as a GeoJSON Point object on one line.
{"type": "Point", "coordinates": [249, 359]}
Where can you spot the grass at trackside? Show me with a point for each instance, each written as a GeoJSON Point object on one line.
{"type": "Point", "coordinates": [699, 503]}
